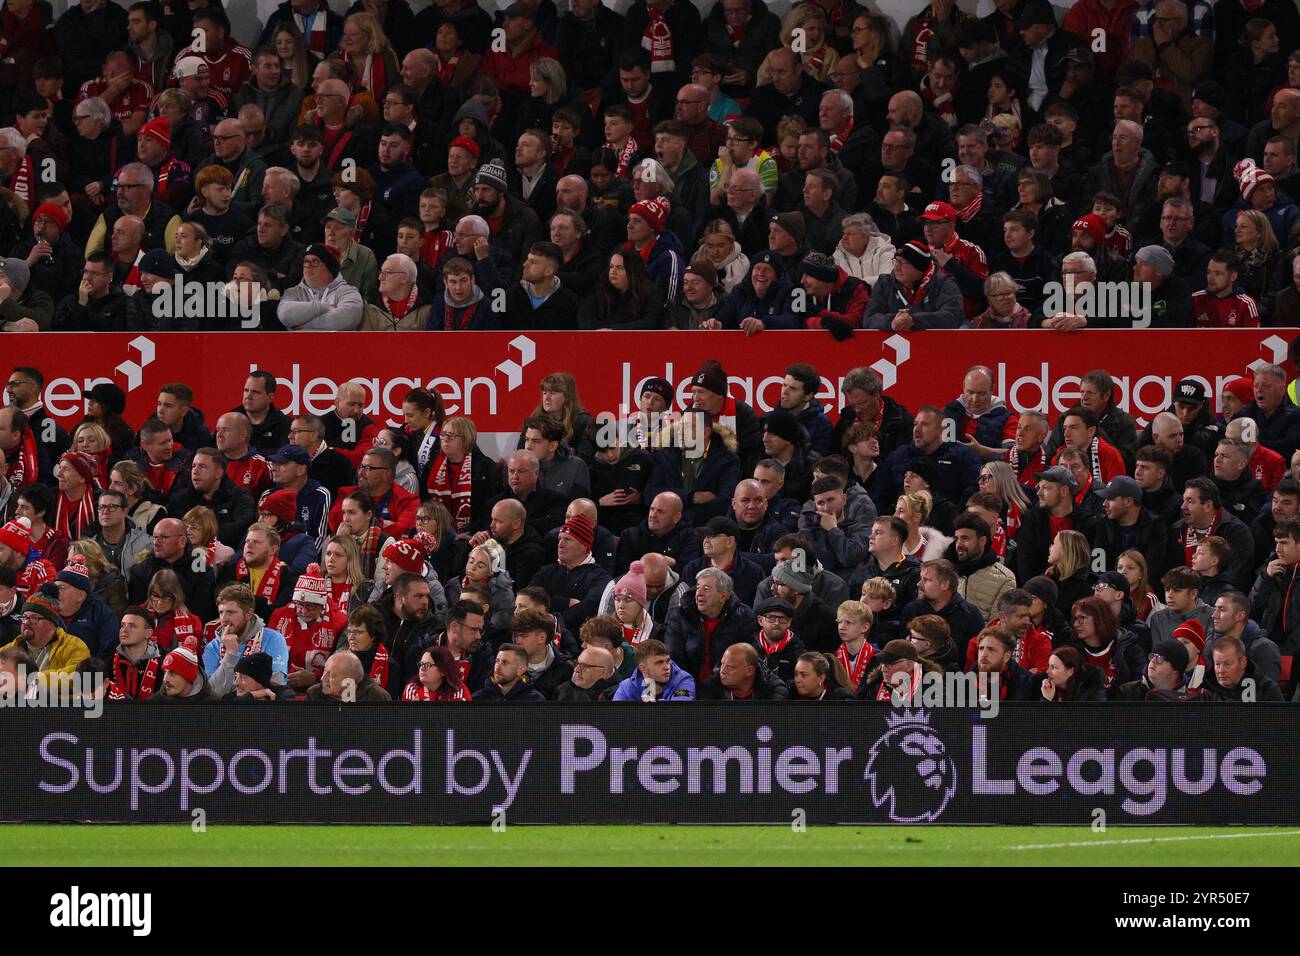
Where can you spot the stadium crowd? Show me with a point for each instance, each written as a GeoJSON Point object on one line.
{"type": "Point", "coordinates": [669, 167]}
{"type": "Point", "coordinates": [678, 554]}
{"type": "Point", "coordinates": [662, 168]}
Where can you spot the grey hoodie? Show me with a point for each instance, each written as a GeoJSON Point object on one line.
{"type": "Point", "coordinates": [336, 308]}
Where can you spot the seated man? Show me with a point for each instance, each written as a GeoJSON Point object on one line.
{"type": "Point", "coordinates": [509, 678]}
{"type": "Point", "coordinates": [743, 676]}
{"type": "Point", "coordinates": [54, 652]}
{"type": "Point", "coordinates": [657, 677]}
{"type": "Point", "coordinates": [237, 632]}
{"type": "Point", "coordinates": [344, 681]}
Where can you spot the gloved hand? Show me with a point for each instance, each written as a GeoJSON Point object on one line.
{"type": "Point", "coordinates": [838, 328]}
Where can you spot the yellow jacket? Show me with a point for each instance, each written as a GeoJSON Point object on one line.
{"type": "Point", "coordinates": [66, 652]}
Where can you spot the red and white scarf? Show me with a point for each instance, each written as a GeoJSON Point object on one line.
{"type": "Point", "coordinates": [918, 294]}
{"type": "Point", "coordinates": [340, 597]}
{"type": "Point", "coordinates": [658, 39]}
{"type": "Point", "coordinates": [24, 469]}
{"type": "Point", "coordinates": [814, 61]}
{"type": "Point", "coordinates": [1193, 537]}
{"type": "Point", "coordinates": [886, 691]}
{"type": "Point", "coordinates": [453, 492]}
{"type": "Point", "coordinates": [270, 585]}
{"type": "Point", "coordinates": [316, 36]}
{"type": "Point", "coordinates": [379, 666]}
{"type": "Point", "coordinates": [131, 283]}
{"type": "Point", "coordinates": [363, 217]}
{"type": "Point", "coordinates": [839, 139]}
{"type": "Point", "coordinates": [23, 180]}
{"type": "Point", "coordinates": [968, 212]}
{"type": "Point", "coordinates": [624, 157]}
{"type": "Point", "coordinates": [446, 694]}
{"type": "Point", "coordinates": [856, 668]}
{"type": "Point", "coordinates": [72, 518]}
{"type": "Point", "coordinates": [373, 74]}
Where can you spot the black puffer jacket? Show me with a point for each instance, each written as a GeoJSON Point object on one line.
{"type": "Point", "coordinates": [687, 642]}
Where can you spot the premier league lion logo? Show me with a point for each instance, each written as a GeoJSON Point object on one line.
{"type": "Point", "coordinates": [909, 769]}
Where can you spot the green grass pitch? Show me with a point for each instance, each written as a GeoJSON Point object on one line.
{"type": "Point", "coordinates": [225, 845]}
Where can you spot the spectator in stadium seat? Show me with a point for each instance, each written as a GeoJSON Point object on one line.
{"type": "Point", "coordinates": [272, 249]}
{"type": "Point", "coordinates": [237, 632]}
{"type": "Point", "coordinates": [1277, 418]}
{"type": "Point", "coordinates": [171, 553]}
{"type": "Point", "coordinates": [708, 484]}
{"type": "Point", "coordinates": [1231, 616]}
{"type": "Point", "coordinates": [658, 677]}
{"type": "Point", "coordinates": [547, 667]}
{"type": "Point", "coordinates": [575, 582]}
{"type": "Point", "coordinates": [1203, 514]}
{"type": "Point", "coordinates": [324, 300]}
{"type": "Point", "coordinates": [593, 677]}
{"type": "Point", "coordinates": [344, 681]}
{"type": "Point", "coordinates": [1236, 678]}
{"type": "Point", "coordinates": [1182, 587]}
{"type": "Point", "coordinates": [561, 472]}
{"type": "Point", "coordinates": [742, 675]}
{"type": "Point", "coordinates": [509, 680]}
{"type": "Point", "coordinates": [1269, 607]}
{"type": "Point", "coordinates": [395, 507]}
{"type": "Point", "coordinates": [662, 532]}
{"type": "Point", "coordinates": [210, 486]}
{"type": "Point", "coordinates": [183, 680]}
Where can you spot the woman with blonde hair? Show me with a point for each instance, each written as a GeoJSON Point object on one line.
{"type": "Point", "coordinates": [366, 50]}
{"type": "Point", "coordinates": [999, 478]}
{"type": "Point", "coordinates": [462, 478]}
{"type": "Point", "coordinates": [91, 439]}
{"type": "Point", "coordinates": [560, 404]}
{"type": "Point", "coordinates": [1256, 246]}
{"type": "Point", "coordinates": [175, 621]}
{"type": "Point", "coordinates": [296, 61]}
{"type": "Point", "coordinates": [922, 542]}
{"type": "Point", "coordinates": [804, 33]}
{"type": "Point", "coordinates": [107, 580]}
{"type": "Point", "coordinates": [719, 245]}
{"type": "Point", "coordinates": [201, 526]}
{"type": "Point", "coordinates": [548, 93]}
{"type": "Point", "coordinates": [486, 566]}
{"type": "Point", "coordinates": [341, 565]}
{"type": "Point", "coordinates": [127, 478]}
{"type": "Point", "coordinates": [1067, 565]}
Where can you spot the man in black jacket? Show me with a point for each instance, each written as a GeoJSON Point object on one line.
{"type": "Point", "coordinates": [209, 487]}
{"type": "Point", "coordinates": [524, 547]}
{"type": "Point", "coordinates": [697, 648]}
{"type": "Point", "coordinates": [741, 675]}
{"type": "Point", "coordinates": [573, 583]}
{"type": "Point", "coordinates": [865, 401]}
{"type": "Point", "coordinates": [1129, 526]}
{"type": "Point", "coordinates": [1277, 418]}
{"type": "Point", "coordinates": [995, 656]}
{"type": "Point", "coordinates": [664, 531]}
{"type": "Point", "coordinates": [1234, 678]}
{"type": "Point", "coordinates": [547, 667]}
{"type": "Point", "coordinates": [1204, 515]}
{"type": "Point", "coordinates": [1054, 512]}
{"type": "Point", "coordinates": [171, 553]}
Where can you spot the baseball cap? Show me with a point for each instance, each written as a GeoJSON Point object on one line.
{"type": "Point", "coordinates": [1059, 474]}
{"type": "Point", "coordinates": [1122, 486]}
{"type": "Point", "coordinates": [291, 453]}
{"type": "Point", "coordinates": [1189, 392]}
{"type": "Point", "coordinates": [939, 212]}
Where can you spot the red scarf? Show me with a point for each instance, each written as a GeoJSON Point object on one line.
{"type": "Point", "coordinates": [22, 180]}
{"type": "Point", "coordinates": [736, 34]}
{"type": "Point", "coordinates": [838, 139]}
{"type": "Point", "coordinates": [340, 597]}
{"type": "Point", "coordinates": [176, 629]}
{"type": "Point", "coordinates": [132, 279]}
{"type": "Point", "coordinates": [1000, 540]}
{"type": "Point", "coordinates": [36, 573]}
{"type": "Point", "coordinates": [915, 297]}
{"type": "Point", "coordinates": [625, 157]}
{"type": "Point", "coordinates": [363, 217]}
{"type": "Point", "coordinates": [816, 60]}
{"type": "Point", "coordinates": [24, 469]}
{"type": "Point", "coordinates": [453, 491]}
{"type": "Point", "coordinates": [398, 309]}
{"type": "Point", "coordinates": [445, 70]}
{"type": "Point", "coordinates": [774, 647]}
{"type": "Point", "coordinates": [1192, 537]}
{"type": "Point", "coordinates": [379, 666]}
{"type": "Point", "coordinates": [270, 585]}
{"type": "Point", "coordinates": [373, 77]}
{"type": "Point", "coordinates": [886, 691]}
{"type": "Point", "coordinates": [73, 518]}
{"type": "Point", "coordinates": [658, 39]}
{"type": "Point", "coordinates": [855, 669]}
{"type": "Point", "coordinates": [138, 683]}
{"type": "Point", "coordinates": [446, 694]}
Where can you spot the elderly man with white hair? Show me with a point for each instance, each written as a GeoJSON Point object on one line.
{"type": "Point", "coordinates": [854, 141]}
{"type": "Point", "coordinates": [1128, 171]}
{"type": "Point", "coordinates": [1077, 273]}
{"type": "Point", "coordinates": [16, 171]}
{"type": "Point", "coordinates": [400, 305]}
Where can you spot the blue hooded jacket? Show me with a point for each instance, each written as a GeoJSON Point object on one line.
{"type": "Point", "coordinates": [680, 686]}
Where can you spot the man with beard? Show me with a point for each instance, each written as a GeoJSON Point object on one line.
{"type": "Point", "coordinates": [511, 224]}
{"type": "Point", "coordinates": [236, 633]}
{"type": "Point", "coordinates": [262, 571]}
{"type": "Point", "coordinates": [981, 578]}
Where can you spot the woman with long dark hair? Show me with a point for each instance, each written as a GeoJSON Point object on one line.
{"type": "Point", "coordinates": [1071, 679]}
{"type": "Point", "coordinates": [424, 414]}
{"type": "Point", "coordinates": [625, 298]}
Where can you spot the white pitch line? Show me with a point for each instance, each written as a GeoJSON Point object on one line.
{"type": "Point", "coordinates": [1168, 839]}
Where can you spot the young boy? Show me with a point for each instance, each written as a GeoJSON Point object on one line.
{"type": "Point", "coordinates": [879, 597]}
{"type": "Point", "coordinates": [854, 620]}
{"type": "Point", "coordinates": [1182, 599]}
{"type": "Point", "coordinates": [619, 122]}
{"type": "Point", "coordinates": [1210, 561]}
{"type": "Point", "coordinates": [567, 157]}
{"type": "Point", "coordinates": [435, 237]}
{"type": "Point", "coordinates": [1118, 239]}
{"type": "Point", "coordinates": [212, 210]}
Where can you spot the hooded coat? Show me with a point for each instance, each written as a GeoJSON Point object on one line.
{"type": "Point", "coordinates": [337, 307]}
{"type": "Point", "coordinates": [743, 301]}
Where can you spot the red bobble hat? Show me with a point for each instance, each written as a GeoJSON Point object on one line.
{"type": "Point", "coordinates": [653, 211]}
{"type": "Point", "coordinates": [183, 662]}
{"type": "Point", "coordinates": [406, 555]}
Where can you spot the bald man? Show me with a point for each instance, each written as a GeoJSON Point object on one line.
{"type": "Point", "coordinates": [665, 531]}
{"type": "Point", "coordinates": [786, 90]}
{"type": "Point", "coordinates": [934, 139]}
{"type": "Point", "coordinates": [979, 414]}
{"type": "Point", "coordinates": [1169, 433]}
{"type": "Point", "coordinates": [231, 149]}
{"type": "Point", "coordinates": [524, 547]}
{"type": "Point", "coordinates": [759, 527]}
{"type": "Point", "coordinates": [605, 230]}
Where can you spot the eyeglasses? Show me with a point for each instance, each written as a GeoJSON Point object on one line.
{"type": "Point", "coordinates": [29, 619]}
{"type": "Point", "coordinates": [1197, 129]}
{"type": "Point", "coordinates": [429, 665]}
{"type": "Point", "coordinates": [371, 468]}
{"type": "Point", "coordinates": [302, 431]}
{"type": "Point", "coordinates": [222, 139]}
{"type": "Point", "coordinates": [579, 666]}
{"type": "Point", "coordinates": [469, 627]}
{"type": "Point", "coordinates": [391, 272]}
{"type": "Point", "coordinates": [1157, 659]}
{"type": "Point", "coordinates": [983, 478]}
{"type": "Point", "coordinates": [110, 508]}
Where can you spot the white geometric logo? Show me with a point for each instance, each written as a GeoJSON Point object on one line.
{"type": "Point", "coordinates": [514, 371]}
{"type": "Point", "coordinates": [888, 370]}
{"type": "Point", "coordinates": [1275, 344]}
{"type": "Point", "coordinates": [133, 371]}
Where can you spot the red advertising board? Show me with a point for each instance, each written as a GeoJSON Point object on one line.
{"type": "Point", "coordinates": [493, 377]}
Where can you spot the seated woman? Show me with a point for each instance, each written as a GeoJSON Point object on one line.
{"type": "Point", "coordinates": [922, 542]}
{"type": "Point", "coordinates": [201, 527]}
{"type": "Point", "coordinates": [424, 414]}
{"type": "Point", "coordinates": [107, 580]}
{"type": "Point", "coordinates": [560, 404]}
{"type": "Point", "coordinates": [176, 626]}
{"type": "Point", "coordinates": [438, 679]}
{"type": "Point", "coordinates": [626, 298]}
{"type": "Point", "coordinates": [486, 566]}
{"type": "Point", "coordinates": [342, 569]}
{"type": "Point", "coordinates": [367, 637]}
{"type": "Point", "coordinates": [462, 478]}
{"type": "Point", "coordinates": [719, 245]}
{"type": "Point", "coordinates": [1004, 312]}
{"type": "Point", "coordinates": [1071, 678]}
{"type": "Point", "coordinates": [404, 475]}
{"type": "Point", "coordinates": [815, 680]}
{"type": "Point", "coordinates": [92, 440]}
